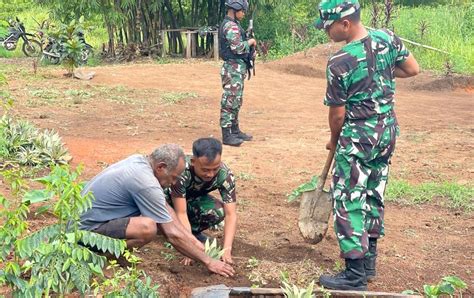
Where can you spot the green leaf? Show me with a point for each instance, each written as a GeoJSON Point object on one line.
{"type": "Point", "coordinates": [431, 290]}
{"type": "Point", "coordinates": [37, 196]}
{"type": "Point", "coordinates": [455, 281]}
{"type": "Point", "coordinates": [446, 288]}
{"type": "Point", "coordinates": [42, 210]}
{"type": "Point", "coordinates": [71, 237]}
{"type": "Point", "coordinates": [308, 186]}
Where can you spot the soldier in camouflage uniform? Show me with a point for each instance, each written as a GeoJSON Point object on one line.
{"type": "Point", "coordinates": [190, 196]}
{"type": "Point", "coordinates": [360, 90]}
{"type": "Point", "coordinates": [235, 50]}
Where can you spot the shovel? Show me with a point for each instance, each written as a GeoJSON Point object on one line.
{"type": "Point", "coordinates": [315, 208]}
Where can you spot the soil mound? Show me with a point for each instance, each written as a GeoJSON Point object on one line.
{"type": "Point", "coordinates": [431, 82]}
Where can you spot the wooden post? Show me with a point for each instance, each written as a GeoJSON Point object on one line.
{"type": "Point", "coordinates": [188, 44]}
{"type": "Point", "coordinates": [194, 44]}
{"type": "Point", "coordinates": [216, 46]}
{"type": "Point", "coordinates": [162, 34]}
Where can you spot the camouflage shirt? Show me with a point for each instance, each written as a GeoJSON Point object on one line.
{"type": "Point", "coordinates": [233, 33]}
{"type": "Point", "coordinates": [360, 76]}
{"type": "Point", "coordinates": [190, 186]}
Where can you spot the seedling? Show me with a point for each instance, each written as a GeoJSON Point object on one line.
{"type": "Point", "coordinates": [449, 285]}
{"type": "Point", "coordinates": [293, 291]}
{"type": "Point", "coordinates": [213, 250]}
{"type": "Point", "coordinates": [253, 262]}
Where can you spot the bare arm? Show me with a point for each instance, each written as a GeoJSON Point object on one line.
{"type": "Point", "coordinates": [230, 227]}
{"type": "Point", "coordinates": [180, 208]}
{"type": "Point", "coordinates": [336, 120]}
{"type": "Point", "coordinates": [407, 68]}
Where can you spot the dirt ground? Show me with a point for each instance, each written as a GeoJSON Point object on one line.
{"type": "Point", "coordinates": [124, 110]}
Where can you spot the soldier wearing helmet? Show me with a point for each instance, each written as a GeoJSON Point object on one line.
{"type": "Point", "coordinates": [235, 50]}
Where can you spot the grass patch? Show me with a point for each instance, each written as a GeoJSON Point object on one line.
{"type": "Point", "coordinates": [457, 195]}
{"type": "Point", "coordinates": [176, 97]}
{"type": "Point", "coordinates": [446, 27]}
{"type": "Point", "coordinates": [245, 176]}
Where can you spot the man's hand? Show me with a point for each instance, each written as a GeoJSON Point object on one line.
{"type": "Point", "coordinates": [186, 261]}
{"type": "Point", "coordinates": [252, 42]}
{"type": "Point", "coordinates": [227, 257]}
{"type": "Point", "coordinates": [220, 268]}
{"type": "Point", "coordinates": [331, 146]}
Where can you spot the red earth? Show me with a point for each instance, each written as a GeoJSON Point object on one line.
{"type": "Point", "coordinates": [133, 108]}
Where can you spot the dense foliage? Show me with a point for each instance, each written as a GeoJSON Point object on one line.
{"type": "Point", "coordinates": [282, 27]}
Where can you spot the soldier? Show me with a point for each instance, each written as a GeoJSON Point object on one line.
{"type": "Point", "coordinates": [360, 90]}
{"type": "Point", "coordinates": [129, 203]}
{"type": "Point", "coordinates": [190, 195]}
{"type": "Point", "coordinates": [235, 50]}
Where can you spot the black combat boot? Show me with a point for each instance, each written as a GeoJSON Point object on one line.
{"type": "Point", "coordinates": [230, 139]}
{"type": "Point", "coordinates": [369, 260]}
{"type": "Point", "coordinates": [238, 133]}
{"type": "Point", "coordinates": [353, 278]}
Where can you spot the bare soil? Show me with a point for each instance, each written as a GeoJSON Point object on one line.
{"type": "Point", "coordinates": [122, 111]}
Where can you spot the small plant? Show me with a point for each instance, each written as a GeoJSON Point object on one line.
{"type": "Point", "coordinates": [168, 255]}
{"type": "Point", "coordinates": [449, 285]}
{"type": "Point", "coordinates": [448, 68]}
{"type": "Point", "coordinates": [293, 291]}
{"type": "Point", "coordinates": [252, 263]}
{"type": "Point", "coordinates": [213, 250]}
{"type": "Point", "coordinates": [338, 266]}
{"type": "Point", "coordinates": [24, 144]}
{"type": "Point", "coordinates": [308, 186]}
{"type": "Point", "coordinates": [129, 282]}
{"type": "Point", "coordinates": [245, 176]}
{"type": "Point", "coordinates": [422, 27]}
{"type": "Point", "coordinates": [175, 97]}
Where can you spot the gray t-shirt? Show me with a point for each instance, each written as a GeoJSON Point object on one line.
{"type": "Point", "coordinates": [127, 188]}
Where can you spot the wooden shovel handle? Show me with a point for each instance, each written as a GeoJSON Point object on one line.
{"type": "Point", "coordinates": [324, 174]}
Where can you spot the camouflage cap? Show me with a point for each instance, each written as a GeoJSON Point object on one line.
{"type": "Point", "coordinates": [333, 10]}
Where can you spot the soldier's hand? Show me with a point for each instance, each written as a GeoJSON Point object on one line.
{"type": "Point", "coordinates": [220, 268]}
{"type": "Point", "coordinates": [186, 261]}
{"type": "Point", "coordinates": [330, 146]}
{"type": "Point", "coordinates": [252, 42]}
{"type": "Point", "coordinates": [227, 257]}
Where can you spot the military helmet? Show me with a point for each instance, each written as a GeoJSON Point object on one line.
{"type": "Point", "coordinates": [237, 4]}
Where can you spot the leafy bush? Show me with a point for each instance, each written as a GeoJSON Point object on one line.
{"type": "Point", "coordinates": [59, 259]}
{"type": "Point", "coordinates": [22, 143]}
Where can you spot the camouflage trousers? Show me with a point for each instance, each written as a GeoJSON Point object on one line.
{"type": "Point", "coordinates": [233, 77]}
{"type": "Point", "coordinates": [359, 179]}
{"type": "Point", "coordinates": [204, 212]}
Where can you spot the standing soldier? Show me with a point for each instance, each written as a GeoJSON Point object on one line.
{"type": "Point", "coordinates": [235, 50]}
{"type": "Point", "coordinates": [360, 89]}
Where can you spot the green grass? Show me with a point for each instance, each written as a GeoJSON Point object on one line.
{"type": "Point", "coordinates": [456, 195]}
{"type": "Point", "coordinates": [175, 97]}
{"type": "Point", "coordinates": [449, 28]}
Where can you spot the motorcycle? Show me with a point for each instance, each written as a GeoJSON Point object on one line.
{"type": "Point", "coordinates": [54, 50]}
{"type": "Point", "coordinates": [31, 47]}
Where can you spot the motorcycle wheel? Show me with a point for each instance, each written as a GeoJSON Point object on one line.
{"type": "Point", "coordinates": [53, 60]}
{"type": "Point", "coordinates": [32, 48]}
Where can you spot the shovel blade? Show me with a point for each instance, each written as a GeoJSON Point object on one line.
{"type": "Point", "coordinates": [315, 209]}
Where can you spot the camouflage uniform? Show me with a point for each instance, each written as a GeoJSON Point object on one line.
{"type": "Point", "coordinates": [203, 209]}
{"type": "Point", "coordinates": [234, 69]}
{"type": "Point", "coordinates": [360, 76]}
